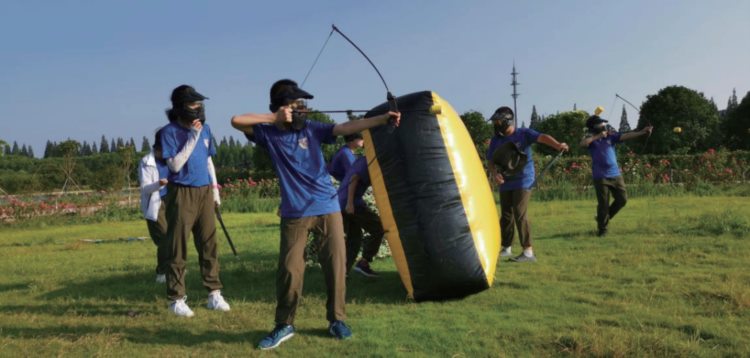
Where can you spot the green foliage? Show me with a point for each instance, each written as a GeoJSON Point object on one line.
{"type": "Point", "coordinates": [566, 127]}
{"type": "Point", "coordinates": [479, 130]}
{"type": "Point", "coordinates": [738, 125]}
{"type": "Point", "coordinates": [678, 106]}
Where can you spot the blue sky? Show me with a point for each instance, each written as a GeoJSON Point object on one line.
{"type": "Point", "coordinates": [83, 69]}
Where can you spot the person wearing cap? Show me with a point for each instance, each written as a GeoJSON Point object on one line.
{"type": "Point", "coordinates": [192, 196]}
{"type": "Point", "coordinates": [152, 176]}
{"type": "Point", "coordinates": [308, 201]}
{"type": "Point", "coordinates": [511, 166]}
{"type": "Point", "coordinates": [357, 214]}
{"type": "Point", "coordinates": [600, 140]}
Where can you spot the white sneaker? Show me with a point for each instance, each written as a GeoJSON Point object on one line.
{"type": "Point", "coordinates": [161, 278]}
{"type": "Point", "coordinates": [180, 308]}
{"type": "Point", "coordinates": [216, 302]}
{"type": "Point", "coordinates": [506, 252]}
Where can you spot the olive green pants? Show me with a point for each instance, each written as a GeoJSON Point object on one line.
{"type": "Point", "coordinates": [158, 232]}
{"type": "Point", "coordinates": [291, 269]}
{"type": "Point", "coordinates": [191, 210]}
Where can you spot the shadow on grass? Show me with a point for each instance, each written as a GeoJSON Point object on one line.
{"type": "Point", "coordinates": [251, 279]}
{"type": "Point", "coordinates": [162, 336]}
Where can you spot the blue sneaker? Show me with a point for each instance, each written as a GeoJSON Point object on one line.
{"type": "Point", "coordinates": [280, 333]}
{"type": "Point", "coordinates": [339, 330]}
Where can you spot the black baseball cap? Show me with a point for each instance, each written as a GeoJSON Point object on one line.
{"type": "Point", "coordinates": [186, 94]}
{"type": "Point", "coordinates": [503, 113]}
{"type": "Point", "coordinates": [285, 91]}
{"type": "Point", "coordinates": [595, 120]}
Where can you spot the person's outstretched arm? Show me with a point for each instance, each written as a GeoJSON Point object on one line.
{"type": "Point", "coordinates": [351, 127]}
{"type": "Point", "coordinates": [633, 135]}
{"type": "Point", "coordinates": [551, 142]}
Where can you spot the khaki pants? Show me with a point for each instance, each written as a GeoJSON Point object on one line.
{"type": "Point", "coordinates": [604, 211]}
{"type": "Point", "coordinates": [363, 218]}
{"type": "Point", "coordinates": [513, 205]}
{"type": "Point", "coordinates": [158, 232]}
{"type": "Point", "coordinates": [291, 270]}
{"type": "Point", "coordinates": [191, 209]}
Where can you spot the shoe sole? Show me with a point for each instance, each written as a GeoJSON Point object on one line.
{"type": "Point", "coordinates": [363, 273]}
{"type": "Point", "coordinates": [278, 343]}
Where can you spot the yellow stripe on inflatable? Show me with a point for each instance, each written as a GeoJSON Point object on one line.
{"type": "Point", "coordinates": [473, 186]}
{"type": "Point", "coordinates": [386, 214]}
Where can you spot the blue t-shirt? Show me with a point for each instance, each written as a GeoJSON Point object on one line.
{"type": "Point", "coordinates": [341, 162]}
{"type": "Point", "coordinates": [306, 187]}
{"type": "Point", "coordinates": [359, 167]}
{"type": "Point", "coordinates": [523, 138]}
{"type": "Point", "coordinates": [161, 167]}
{"type": "Point", "coordinates": [195, 171]}
{"type": "Point", "coordinates": [603, 157]}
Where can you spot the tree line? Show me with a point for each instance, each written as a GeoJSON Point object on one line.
{"type": "Point", "coordinates": [113, 163]}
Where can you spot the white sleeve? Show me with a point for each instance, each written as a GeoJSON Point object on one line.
{"type": "Point", "coordinates": [214, 182]}
{"type": "Point", "coordinates": [176, 163]}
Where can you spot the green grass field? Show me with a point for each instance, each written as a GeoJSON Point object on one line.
{"type": "Point", "coordinates": [671, 279]}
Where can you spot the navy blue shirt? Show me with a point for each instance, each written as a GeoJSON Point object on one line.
{"type": "Point", "coordinates": [341, 162]}
{"type": "Point", "coordinates": [523, 138]}
{"type": "Point", "coordinates": [603, 157]}
{"type": "Point", "coordinates": [359, 167]}
{"type": "Point", "coordinates": [195, 171]}
{"type": "Point", "coordinates": [306, 187]}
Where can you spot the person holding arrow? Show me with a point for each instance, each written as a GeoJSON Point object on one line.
{"type": "Point", "coordinates": [511, 167]}
{"type": "Point", "coordinates": [600, 140]}
{"type": "Point", "coordinates": [308, 201]}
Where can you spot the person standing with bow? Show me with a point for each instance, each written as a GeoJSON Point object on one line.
{"type": "Point", "coordinates": [308, 201]}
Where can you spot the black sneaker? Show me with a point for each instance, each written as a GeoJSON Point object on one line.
{"type": "Point", "coordinates": [601, 232]}
{"type": "Point", "coordinates": [363, 268]}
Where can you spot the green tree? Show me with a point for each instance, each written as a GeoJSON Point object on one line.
{"type": "Point", "coordinates": [738, 125]}
{"type": "Point", "coordinates": [104, 145]}
{"type": "Point", "coordinates": [535, 119]}
{"type": "Point", "coordinates": [479, 130]}
{"type": "Point", "coordinates": [678, 106]}
{"type": "Point", "coordinates": [566, 127]}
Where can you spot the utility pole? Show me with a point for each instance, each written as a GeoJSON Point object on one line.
{"type": "Point", "coordinates": [515, 95]}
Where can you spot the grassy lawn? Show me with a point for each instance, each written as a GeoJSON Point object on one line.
{"type": "Point", "coordinates": [671, 279]}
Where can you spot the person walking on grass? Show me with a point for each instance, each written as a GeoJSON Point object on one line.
{"type": "Point", "coordinates": [308, 201]}
{"type": "Point", "coordinates": [192, 195]}
{"type": "Point", "coordinates": [600, 140]}
{"type": "Point", "coordinates": [152, 176]}
{"type": "Point", "coordinates": [357, 214]}
{"type": "Point", "coordinates": [512, 168]}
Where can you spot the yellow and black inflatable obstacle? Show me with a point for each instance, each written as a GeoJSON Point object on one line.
{"type": "Point", "coordinates": [434, 199]}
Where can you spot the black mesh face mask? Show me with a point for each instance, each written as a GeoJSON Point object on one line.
{"type": "Point", "coordinates": [501, 121]}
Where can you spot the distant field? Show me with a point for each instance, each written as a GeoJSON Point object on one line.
{"type": "Point", "coordinates": [671, 279]}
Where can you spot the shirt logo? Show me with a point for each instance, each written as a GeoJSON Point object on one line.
{"type": "Point", "coordinates": [302, 142]}
{"type": "Point", "coordinates": [205, 142]}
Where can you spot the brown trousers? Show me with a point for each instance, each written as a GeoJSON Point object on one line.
{"type": "Point", "coordinates": [513, 205]}
{"type": "Point", "coordinates": [291, 270]}
{"type": "Point", "coordinates": [363, 218]}
{"type": "Point", "coordinates": [604, 211]}
{"type": "Point", "coordinates": [158, 232]}
{"type": "Point", "coordinates": [191, 209]}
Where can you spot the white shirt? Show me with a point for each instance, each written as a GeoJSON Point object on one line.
{"type": "Point", "coordinates": [148, 176]}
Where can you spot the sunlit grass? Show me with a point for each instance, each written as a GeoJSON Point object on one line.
{"type": "Point", "coordinates": [669, 280]}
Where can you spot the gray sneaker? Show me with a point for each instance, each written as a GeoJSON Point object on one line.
{"type": "Point", "coordinates": [523, 258]}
